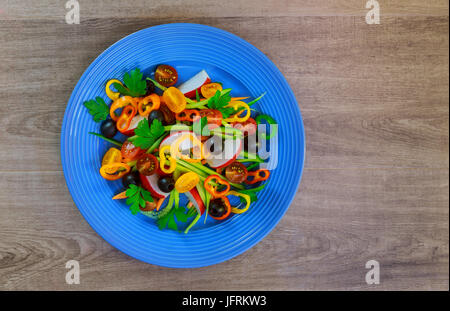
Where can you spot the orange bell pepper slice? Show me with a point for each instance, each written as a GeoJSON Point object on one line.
{"type": "Point", "coordinates": [114, 171]}
{"type": "Point", "coordinates": [148, 104]}
{"type": "Point", "coordinates": [258, 175]}
{"type": "Point", "coordinates": [212, 184]}
{"type": "Point", "coordinates": [227, 213]}
{"type": "Point", "coordinates": [124, 121]}
{"type": "Point", "coordinates": [120, 103]}
{"type": "Point", "coordinates": [190, 115]}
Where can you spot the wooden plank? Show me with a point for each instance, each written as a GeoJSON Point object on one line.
{"type": "Point", "coordinates": [175, 9]}
{"type": "Point", "coordinates": [339, 220]}
{"type": "Point", "coordinates": [370, 96]}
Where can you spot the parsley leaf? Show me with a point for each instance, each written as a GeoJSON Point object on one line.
{"type": "Point", "coordinates": [180, 214]}
{"type": "Point", "coordinates": [134, 85]}
{"type": "Point", "coordinates": [97, 108]}
{"type": "Point", "coordinates": [219, 102]}
{"type": "Point", "coordinates": [137, 196]}
{"type": "Point", "coordinates": [177, 213]}
{"type": "Point", "coordinates": [146, 135]}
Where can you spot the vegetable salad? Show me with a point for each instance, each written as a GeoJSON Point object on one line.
{"type": "Point", "coordinates": [193, 139]}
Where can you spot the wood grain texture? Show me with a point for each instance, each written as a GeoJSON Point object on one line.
{"type": "Point", "coordinates": [374, 100]}
{"type": "Point", "coordinates": [339, 220]}
{"type": "Point", "coordinates": [169, 9]}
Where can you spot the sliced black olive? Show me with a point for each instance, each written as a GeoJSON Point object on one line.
{"type": "Point", "coordinates": [131, 178]}
{"type": "Point", "coordinates": [217, 208]}
{"type": "Point", "coordinates": [156, 115]}
{"type": "Point", "coordinates": [166, 183]}
{"type": "Point", "coordinates": [108, 128]}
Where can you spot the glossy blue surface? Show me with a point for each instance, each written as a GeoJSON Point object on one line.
{"type": "Point", "coordinates": [189, 48]}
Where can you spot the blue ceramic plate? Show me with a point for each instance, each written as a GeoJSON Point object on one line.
{"type": "Point", "coordinates": [189, 48]}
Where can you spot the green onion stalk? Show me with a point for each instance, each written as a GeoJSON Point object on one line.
{"type": "Point", "coordinates": [250, 157]}
{"type": "Point", "coordinates": [196, 219]}
{"type": "Point", "coordinates": [156, 144]}
{"type": "Point", "coordinates": [254, 165]}
{"type": "Point", "coordinates": [112, 141]}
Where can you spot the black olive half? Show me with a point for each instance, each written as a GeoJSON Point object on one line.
{"type": "Point", "coordinates": [131, 178]}
{"type": "Point", "coordinates": [166, 183]}
{"type": "Point", "coordinates": [217, 208]}
{"type": "Point", "coordinates": [108, 128]}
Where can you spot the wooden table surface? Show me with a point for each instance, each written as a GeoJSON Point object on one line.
{"type": "Point", "coordinates": [374, 100]}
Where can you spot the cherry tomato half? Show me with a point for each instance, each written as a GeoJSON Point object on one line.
{"type": "Point", "coordinates": [113, 155]}
{"type": "Point", "coordinates": [236, 172]}
{"type": "Point", "coordinates": [130, 152]}
{"type": "Point", "coordinates": [174, 99]}
{"type": "Point", "coordinates": [147, 164]}
{"type": "Point", "coordinates": [213, 116]}
{"type": "Point", "coordinates": [248, 127]}
{"type": "Point", "coordinates": [166, 75]}
{"type": "Point", "coordinates": [186, 182]}
{"type": "Point", "coordinates": [210, 89]}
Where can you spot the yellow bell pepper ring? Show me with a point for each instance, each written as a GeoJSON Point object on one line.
{"type": "Point", "coordinates": [186, 182]}
{"type": "Point", "coordinates": [236, 117]}
{"type": "Point", "coordinates": [164, 159]}
{"type": "Point", "coordinates": [247, 199]}
{"type": "Point", "coordinates": [114, 171]}
{"type": "Point", "coordinates": [197, 148]}
{"type": "Point", "coordinates": [112, 95]}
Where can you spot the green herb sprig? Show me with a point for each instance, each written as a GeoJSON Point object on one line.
{"type": "Point", "coordinates": [147, 134]}
{"type": "Point", "coordinates": [97, 108]}
{"type": "Point", "coordinates": [137, 196]}
{"type": "Point", "coordinates": [177, 213]}
{"type": "Point", "coordinates": [219, 102]}
{"type": "Point", "coordinates": [135, 86]}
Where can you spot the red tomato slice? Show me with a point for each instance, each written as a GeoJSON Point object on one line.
{"type": "Point", "coordinates": [236, 172]}
{"type": "Point", "coordinates": [147, 164]}
{"type": "Point", "coordinates": [166, 75]}
{"type": "Point", "coordinates": [130, 152]}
